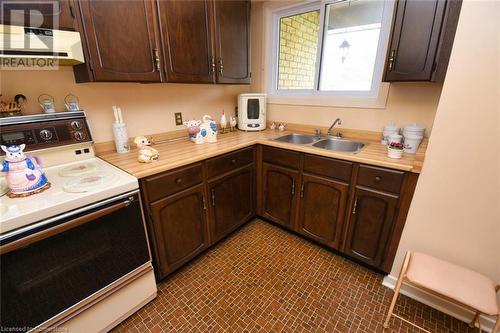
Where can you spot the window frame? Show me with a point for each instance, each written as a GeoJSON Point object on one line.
{"type": "Point", "coordinates": [379, 90]}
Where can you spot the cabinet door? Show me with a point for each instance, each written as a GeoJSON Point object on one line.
{"type": "Point", "coordinates": [180, 228]}
{"type": "Point", "coordinates": [232, 200]}
{"type": "Point", "coordinates": [322, 209]}
{"type": "Point", "coordinates": [121, 39]}
{"type": "Point", "coordinates": [186, 39]}
{"type": "Point", "coordinates": [53, 14]}
{"type": "Point", "coordinates": [232, 30]}
{"type": "Point", "coordinates": [415, 40]}
{"type": "Point", "coordinates": [370, 225]}
{"type": "Point", "coordinates": [280, 197]}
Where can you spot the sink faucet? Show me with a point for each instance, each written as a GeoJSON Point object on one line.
{"type": "Point", "coordinates": [337, 121]}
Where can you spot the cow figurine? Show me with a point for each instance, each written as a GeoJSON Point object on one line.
{"type": "Point", "coordinates": [202, 131]}
{"type": "Point", "coordinates": [147, 154]}
{"type": "Point", "coordinates": [24, 173]}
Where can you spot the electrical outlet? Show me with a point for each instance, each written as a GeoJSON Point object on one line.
{"type": "Point", "coordinates": [178, 118]}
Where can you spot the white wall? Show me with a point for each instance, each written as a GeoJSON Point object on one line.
{"type": "Point", "coordinates": [455, 213]}
{"type": "Point", "coordinates": [148, 108]}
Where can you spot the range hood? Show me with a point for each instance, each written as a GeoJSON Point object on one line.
{"type": "Point", "coordinates": [25, 46]}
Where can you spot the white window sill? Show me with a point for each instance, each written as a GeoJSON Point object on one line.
{"type": "Point", "coordinates": [378, 102]}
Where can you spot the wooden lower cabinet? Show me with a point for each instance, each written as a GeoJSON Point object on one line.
{"type": "Point", "coordinates": [370, 224]}
{"type": "Point", "coordinates": [232, 201]}
{"type": "Point", "coordinates": [322, 209]}
{"type": "Point", "coordinates": [280, 198]}
{"type": "Point", "coordinates": [180, 228]}
{"type": "Point", "coordinates": [356, 209]}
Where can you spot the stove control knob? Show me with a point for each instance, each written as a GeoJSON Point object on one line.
{"type": "Point", "coordinates": [46, 134]}
{"type": "Point", "coordinates": [79, 136]}
{"type": "Point", "coordinates": [76, 125]}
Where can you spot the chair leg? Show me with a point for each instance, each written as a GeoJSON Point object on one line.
{"type": "Point", "coordinates": [496, 329]}
{"type": "Point", "coordinates": [397, 289]}
{"type": "Point", "coordinates": [474, 320]}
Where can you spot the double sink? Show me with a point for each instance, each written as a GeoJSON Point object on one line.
{"type": "Point", "coordinates": [328, 143]}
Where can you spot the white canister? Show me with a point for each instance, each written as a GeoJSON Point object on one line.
{"type": "Point", "coordinates": [394, 138]}
{"type": "Point", "coordinates": [413, 130]}
{"type": "Point", "coordinates": [389, 129]}
{"type": "Point", "coordinates": [412, 142]}
{"type": "Point", "coordinates": [121, 138]}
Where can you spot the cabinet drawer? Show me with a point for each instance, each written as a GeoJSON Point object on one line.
{"type": "Point", "coordinates": [219, 165]}
{"type": "Point", "coordinates": [173, 181]}
{"type": "Point", "coordinates": [286, 158]}
{"type": "Point", "coordinates": [381, 179]}
{"type": "Point", "coordinates": [328, 167]}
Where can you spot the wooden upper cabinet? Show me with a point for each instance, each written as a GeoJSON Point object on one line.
{"type": "Point", "coordinates": [54, 14]}
{"type": "Point", "coordinates": [180, 228]}
{"type": "Point", "coordinates": [281, 187]}
{"type": "Point", "coordinates": [370, 225]}
{"type": "Point", "coordinates": [186, 39]}
{"type": "Point", "coordinates": [120, 36]}
{"type": "Point", "coordinates": [232, 31]}
{"type": "Point", "coordinates": [322, 209]}
{"type": "Point", "coordinates": [421, 41]}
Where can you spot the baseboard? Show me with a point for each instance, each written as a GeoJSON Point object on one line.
{"type": "Point", "coordinates": [454, 310]}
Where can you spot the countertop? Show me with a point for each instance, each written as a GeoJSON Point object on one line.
{"type": "Point", "coordinates": [182, 152]}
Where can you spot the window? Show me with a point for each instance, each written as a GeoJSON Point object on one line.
{"type": "Point", "coordinates": [330, 48]}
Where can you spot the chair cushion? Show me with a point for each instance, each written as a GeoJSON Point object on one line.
{"type": "Point", "coordinates": [458, 283]}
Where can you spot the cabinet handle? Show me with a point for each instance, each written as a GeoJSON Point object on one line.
{"type": "Point", "coordinates": [221, 67]}
{"type": "Point", "coordinates": [156, 59]}
{"type": "Point", "coordinates": [302, 190]}
{"type": "Point", "coordinates": [204, 203]}
{"type": "Point", "coordinates": [293, 187]}
{"type": "Point", "coordinates": [378, 179]}
{"type": "Point", "coordinates": [355, 205]}
{"type": "Point", "coordinates": [212, 65]}
{"type": "Point", "coordinates": [178, 180]}
{"type": "Point", "coordinates": [233, 161]}
{"type": "Point", "coordinates": [391, 59]}
{"type": "Point", "coordinates": [213, 197]}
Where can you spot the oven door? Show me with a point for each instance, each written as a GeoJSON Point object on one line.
{"type": "Point", "coordinates": [55, 264]}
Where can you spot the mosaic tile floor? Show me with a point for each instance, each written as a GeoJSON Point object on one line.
{"type": "Point", "coordinates": [264, 279]}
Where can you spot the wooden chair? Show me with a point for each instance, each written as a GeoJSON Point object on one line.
{"type": "Point", "coordinates": [456, 284]}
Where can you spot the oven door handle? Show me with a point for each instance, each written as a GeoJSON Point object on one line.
{"type": "Point", "coordinates": [25, 241]}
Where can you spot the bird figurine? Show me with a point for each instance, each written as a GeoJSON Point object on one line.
{"type": "Point", "coordinates": [147, 154]}
{"type": "Point", "coordinates": [223, 122]}
{"type": "Point", "coordinates": [232, 123]}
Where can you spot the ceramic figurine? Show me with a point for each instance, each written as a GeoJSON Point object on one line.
{"type": "Point", "coordinates": [24, 173]}
{"type": "Point", "coordinates": [281, 127]}
{"type": "Point", "coordinates": [273, 126]}
{"type": "Point", "coordinates": [147, 154]}
{"type": "Point", "coordinates": [223, 122]}
{"type": "Point", "coordinates": [202, 131]}
{"type": "Point", "coordinates": [233, 122]}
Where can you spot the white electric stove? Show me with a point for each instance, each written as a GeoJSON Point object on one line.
{"type": "Point", "coordinates": [74, 256]}
{"type": "Point", "coordinates": [73, 185]}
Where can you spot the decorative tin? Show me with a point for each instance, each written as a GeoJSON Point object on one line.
{"type": "Point", "coordinates": [24, 173]}
{"type": "Point", "coordinates": [201, 132]}
{"type": "Point", "coordinates": [147, 154]}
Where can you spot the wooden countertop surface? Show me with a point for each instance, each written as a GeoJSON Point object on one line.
{"type": "Point", "coordinates": [183, 152]}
